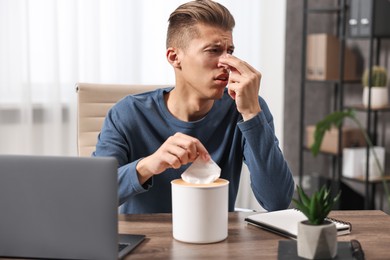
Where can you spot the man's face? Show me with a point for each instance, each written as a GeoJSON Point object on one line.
{"type": "Point", "coordinates": [201, 72]}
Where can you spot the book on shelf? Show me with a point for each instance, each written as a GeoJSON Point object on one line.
{"type": "Point", "coordinates": [285, 222]}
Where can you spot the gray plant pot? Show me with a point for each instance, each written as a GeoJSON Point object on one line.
{"type": "Point", "coordinates": [317, 241]}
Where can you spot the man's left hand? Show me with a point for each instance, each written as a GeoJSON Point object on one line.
{"type": "Point", "coordinates": [244, 85]}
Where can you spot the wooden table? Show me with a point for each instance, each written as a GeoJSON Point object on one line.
{"type": "Point", "coordinates": [371, 228]}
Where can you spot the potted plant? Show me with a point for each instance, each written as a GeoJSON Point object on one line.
{"type": "Point", "coordinates": [317, 237]}
{"type": "Point", "coordinates": [379, 92]}
{"type": "Point", "coordinates": [336, 119]}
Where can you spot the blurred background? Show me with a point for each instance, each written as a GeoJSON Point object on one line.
{"type": "Point", "coordinates": [47, 46]}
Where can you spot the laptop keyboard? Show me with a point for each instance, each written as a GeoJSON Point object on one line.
{"type": "Point", "coordinates": [121, 246]}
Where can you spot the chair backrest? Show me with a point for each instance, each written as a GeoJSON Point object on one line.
{"type": "Point", "coordinates": [93, 103]}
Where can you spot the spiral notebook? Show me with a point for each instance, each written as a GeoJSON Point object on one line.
{"type": "Point", "coordinates": [285, 222]}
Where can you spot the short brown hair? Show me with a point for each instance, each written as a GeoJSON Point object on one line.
{"type": "Point", "coordinates": [183, 21]}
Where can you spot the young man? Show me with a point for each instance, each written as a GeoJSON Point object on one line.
{"type": "Point", "coordinates": [156, 135]}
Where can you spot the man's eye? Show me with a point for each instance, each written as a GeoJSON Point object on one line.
{"type": "Point", "coordinates": [230, 51]}
{"type": "Point", "coordinates": [213, 50]}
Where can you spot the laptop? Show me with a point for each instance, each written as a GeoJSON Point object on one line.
{"type": "Point", "coordinates": [57, 207]}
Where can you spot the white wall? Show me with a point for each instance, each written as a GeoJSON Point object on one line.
{"type": "Point", "coordinates": [259, 37]}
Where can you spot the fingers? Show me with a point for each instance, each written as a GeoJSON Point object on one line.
{"type": "Point", "coordinates": [242, 73]}
{"type": "Point", "coordinates": [176, 151]}
{"type": "Point", "coordinates": [235, 64]}
{"type": "Point", "coordinates": [177, 155]}
{"type": "Point", "coordinates": [231, 92]}
{"type": "Point", "coordinates": [244, 85]}
{"type": "Point", "coordinates": [186, 148]}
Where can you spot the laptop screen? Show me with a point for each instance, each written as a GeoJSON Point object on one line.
{"type": "Point", "coordinates": [58, 207]}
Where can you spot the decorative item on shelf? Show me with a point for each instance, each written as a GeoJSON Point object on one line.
{"type": "Point", "coordinates": [355, 161]}
{"type": "Point", "coordinates": [322, 62]}
{"type": "Point", "coordinates": [317, 237]}
{"type": "Point", "coordinates": [350, 137]}
{"type": "Point", "coordinates": [336, 119]}
{"type": "Point", "coordinates": [379, 91]}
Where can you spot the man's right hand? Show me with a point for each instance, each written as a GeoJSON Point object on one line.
{"type": "Point", "coordinates": [177, 150]}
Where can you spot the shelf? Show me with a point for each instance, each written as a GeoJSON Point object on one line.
{"type": "Point", "coordinates": [324, 10]}
{"type": "Point", "coordinates": [338, 97]}
{"type": "Point", "coordinates": [350, 81]}
{"type": "Point", "coordinates": [307, 149]}
{"type": "Point", "coordinates": [365, 38]}
{"type": "Point", "coordinates": [372, 181]}
{"type": "Point", "coordinates": [361, 107]}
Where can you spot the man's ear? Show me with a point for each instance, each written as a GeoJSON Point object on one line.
{"type": "Point", "coordinates": [173, 57]}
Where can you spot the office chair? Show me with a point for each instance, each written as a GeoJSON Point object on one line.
{"type": "Point", "coordinates": [93, 103]}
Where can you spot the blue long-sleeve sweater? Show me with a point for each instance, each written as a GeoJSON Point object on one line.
{"type": "Point", "coordinates": [138, 124]}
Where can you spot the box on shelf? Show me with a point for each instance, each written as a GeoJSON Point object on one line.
{"type": "Point", "coordinates": [354, 162]}
{"type": "Point", "coordinates": [322, 58]}
{"type": "Point", "coordinates": [351, 137]}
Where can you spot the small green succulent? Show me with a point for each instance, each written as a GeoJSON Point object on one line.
{"type": "Point", "coordinates": [378, 77]}
{"type": "Point", "coordinates": [317, 207]}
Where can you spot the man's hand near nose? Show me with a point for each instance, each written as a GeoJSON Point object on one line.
{"type": "Point", "coordinates": [244, 86]}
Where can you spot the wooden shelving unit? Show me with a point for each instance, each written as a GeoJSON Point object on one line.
{"type": "Point", "coordinates": [341, 11]}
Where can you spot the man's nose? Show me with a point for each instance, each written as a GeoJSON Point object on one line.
{"type": "Point", "coordinates": [224, 66]}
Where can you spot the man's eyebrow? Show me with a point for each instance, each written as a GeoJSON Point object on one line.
{"type": "Point", "coordinates": [214, 44]}
{"type": "Point", "coordinates": [218, 44]}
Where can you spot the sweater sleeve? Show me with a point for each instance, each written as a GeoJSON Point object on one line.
{"type": "Point", "coordinates": [112, 142]}
{"type": "Point", "coordinates": [271, 179]}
